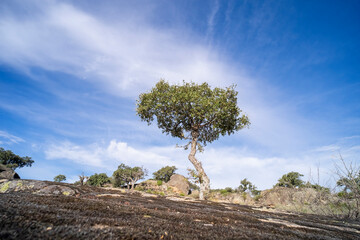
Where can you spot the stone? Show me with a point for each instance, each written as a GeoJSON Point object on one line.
{"type": "Point", "coordinates": [38, 187]}
{"type": "Point", "coordinates": [7, 173]}
{"type": "Point", "coordinates": [179, 184]}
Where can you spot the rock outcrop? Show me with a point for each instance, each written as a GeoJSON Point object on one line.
{"type": "Point", "coordinates": [38, 187]}
{"type": "Point", "coordinates": [179, 184]}
{"type": "Point", "coordinates": [7, 173]}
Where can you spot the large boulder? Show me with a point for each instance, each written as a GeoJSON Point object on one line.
{"type": "Point", "coordinates": [38, 187]}
{"type": "Point", "coordinates": [7, 173]}
{"type": "Point", "coordinates": [179, 184]}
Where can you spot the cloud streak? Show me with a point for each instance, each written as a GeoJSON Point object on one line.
{"type": "Point", "coordinates": [126, 57]}
{"type": "Point", "coordinates": [9, 138]}
{"type": "Point", "coordinates": [226, 166]}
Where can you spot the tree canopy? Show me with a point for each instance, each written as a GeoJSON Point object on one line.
{"type": "Point", "coordinates": [182, 109]}
{"type": "Point", "coordinates": [11, 160]}
{"type": "Point", "coordinates": [290, 180]}
{"type": "Point", "coordinates": [193, 112]}
{"type": "Point", "coordinates": [98, 179]}
{"type": "Point", "coordinates": [126, 175]}
{"type": "Point", "coordinates": [60, 178]}
{"type": "Point", "coordinates": [165, 173]}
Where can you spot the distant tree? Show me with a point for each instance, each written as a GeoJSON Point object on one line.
{"type": "Point", "coordinates": [247, 186]}
{"type": "Point", "coordinates": [193, 112]}
{"type": "Point", "coordinates": [165, 173]}
{"type": "Point", "coordinates": [126, 175]}
{"type": "Point", "coordinates": [11, 160]}
{"type": "Point", "coordinates": [82, 179]}
{"type": "Point", "coordinates": [317, 187]}
{"type": "Point", "coordinates": [290, 180]}
{"type": "Point", "coordinates": [98, 179]}
{"type": "Point", "coordinates": [60, 178]}
{"type": "Point", "coordinates": [349, 182]}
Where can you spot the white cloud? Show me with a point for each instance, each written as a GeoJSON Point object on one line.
{"type": "Point", "coordinates": [225, 166]}
{"type": "Point", "coordinates": [10, 138]}
{"type": "Point", "coordinates": [126, 57]}
{"type": "Point", "coordinates": [103, 157]}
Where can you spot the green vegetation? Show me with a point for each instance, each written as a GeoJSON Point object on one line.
{"type": "Point", "coordinates": [247, 186]}
{"type": "Point", "coordinates": [159, 182]}
{"type": "Point", "coordinates": [226, 190]}
{"type": "Point", "coordinates": [290, 180]}
{"type": "Point", "coordinates": [193, 112]}
{"type": "Point", "coordinates": [98, 180]}
{"type": "Point", "coordinates": [165, 173]}
{"type": "Point", "coordinates": [11, 160]}
{"type": "Point", "coordinates": [126, 176]}
{"type": "Point", "coordinates": [60, 178]}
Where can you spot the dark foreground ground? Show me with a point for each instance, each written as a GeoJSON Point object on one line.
{"type": "Point", "coordinates": [108, 214]}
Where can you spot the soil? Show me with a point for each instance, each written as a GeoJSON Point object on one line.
{"type": "Point", "coordinates": [98, 213]}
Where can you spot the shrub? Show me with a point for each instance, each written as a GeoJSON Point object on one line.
{"type": "Point", "coordinates": [226, 191]}
{"type": "Point", "coordinates": [165, 173]}
{"type": "Point", "coordinates": [60, 178]}
{"type": "Point", "coordinates": [290, 180]}
{"type": "Point", "coordinates": [159, 182]}
{"type": "Point", "coordinates": [98, 179]}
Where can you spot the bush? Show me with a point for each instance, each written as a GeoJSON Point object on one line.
{"type": "Point", "coordinates": [290, 180]}
{"type": "Point", "coordinates": [165, 173]}
{"type": "Point", "coordinates": [98, 180]}
{"type": "Point", "coordinates": [159, 182]}
{"type": "Point", "coordinates": [226, 191]}
{"type": "Point", "coordinates": [60, 178]}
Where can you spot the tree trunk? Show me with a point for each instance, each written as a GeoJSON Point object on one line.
{"type": "Point", "coordinates": [132, 185]}
{"type": "Point", "coordinates": [204, 179]}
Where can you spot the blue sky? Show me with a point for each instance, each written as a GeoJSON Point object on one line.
{"type": "Point", "coordinates": [71, 71]}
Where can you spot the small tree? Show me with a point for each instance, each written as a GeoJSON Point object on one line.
{"type": "Point", "coordinates": [349, 181]}
{"type": "Point", "coordinates": [60, 178]}
{"type": "Point", "coordinates": [82, 179]}
{"type": "Point", "coordinates": [290, 180]}
{"type": "Point", "coordinates": [98, 179]}
{"type": "Point", "coordinates": [193, 112]}
{"type": "Point", "coordinates": [165, 173]}
{"type": "Point", "coordinates": [126, 175]}
{"type": "Point", "coordinates": [11, 160]}
{"type": "Point", "coordinates": [247, 186]}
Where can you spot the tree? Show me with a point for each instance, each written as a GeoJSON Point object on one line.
{"type": "Point", "coordinates": [349, 181]}
{"type": "Point", "coordinates": [290, 180]}
{"type": "Point", "coordinates": [126, 175]}
{"type": "Point", "coordinates": [193, 112]}
{"type": "Point", "coordinates": [98, 179]}
{"type": "Point", "coordinates": [11, 160]}
{"type": "Point", "coordinates": [60, 178]}
{"type": "Point", "coordinates": [82, 179]}
{"type": "Point", "coordinates": [247, 186]}
{"type": "Point", "coordinates": [165, 173]}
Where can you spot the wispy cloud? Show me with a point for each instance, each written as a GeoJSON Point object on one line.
{"type": "Point", "coordinates": [226, 166]}
{"type": "Point", "coordinates": [105, 157]}
{"type": "Point", "coordinates": [124, 57]}
{"type": "Point", "coordinates": [211, 20]}
{"type": "Point", "coordinates": [9, 138]}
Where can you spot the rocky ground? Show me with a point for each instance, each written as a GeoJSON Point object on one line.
{"type": "Point", "coordinates": [46, 210]}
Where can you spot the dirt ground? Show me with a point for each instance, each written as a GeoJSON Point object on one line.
{"type": "Point", "coordinates": [108, 214]}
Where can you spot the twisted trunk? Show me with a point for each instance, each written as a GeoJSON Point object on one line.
{"type": "Point", "coordinates": [204, 179]}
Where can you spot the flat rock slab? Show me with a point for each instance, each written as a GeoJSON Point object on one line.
{"type": "Point", "coordinates": [99, 213]}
